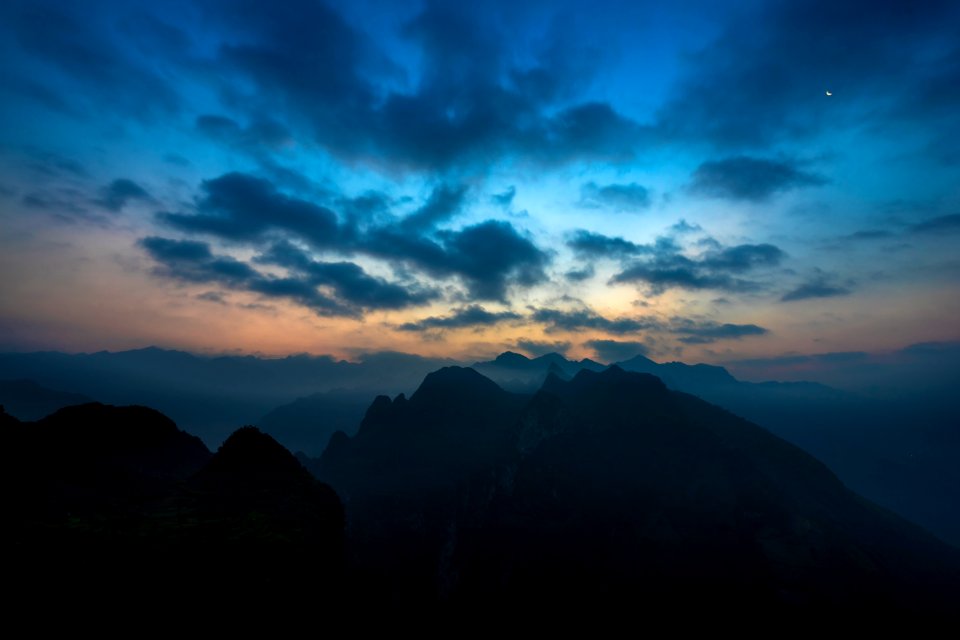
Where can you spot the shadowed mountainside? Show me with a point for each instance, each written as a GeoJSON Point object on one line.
{"type": "Point", "coordinates": [610, 490]}
{"type": "Point", "coordinates": [899, 450]}
{"type": "Point", "coordinates": [115, 504]}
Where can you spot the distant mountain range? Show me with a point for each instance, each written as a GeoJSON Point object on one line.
{"type": "Point", "coordinates": [211, 395]}
{"type": "Point", "coordinates": [900, 451]}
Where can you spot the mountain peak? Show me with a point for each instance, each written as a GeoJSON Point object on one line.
{"type": "Point", "coordinates": [455, 382]}
{"type": "Point", "coordinates": [511, 359]}
{"type": "Point", "coordinates": [249, 450]}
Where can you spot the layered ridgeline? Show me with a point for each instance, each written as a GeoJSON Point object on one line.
{"type": "Point", "coordinates": [899, 449]}
{"type": "Point", "coordinates": [109, 508]}
{"type": "Point", "coordinates": [210, 396]}
{"type": "Point", "coordinates": [610, 490]}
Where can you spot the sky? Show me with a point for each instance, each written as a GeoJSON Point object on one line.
{"type": "Point", "coordinates": [697, 181]}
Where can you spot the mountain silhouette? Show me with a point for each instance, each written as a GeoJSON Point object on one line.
{"type": "Point", "coordinates": [898, 451]}
{"type": "Point", "coordinates": [117, 505]}
{"type": "Point", "coordinates": [611, 491]}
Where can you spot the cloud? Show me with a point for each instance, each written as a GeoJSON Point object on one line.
{"type": "Point", "coordinates": [618, 197]}
{"type": "Point", "coordinates": [595, 245]}
{"type": "Point", "coordinates": [821, 285]}
{"type": "Point", "coordinates": [118, 193]}
{"type": "Point", "coordinates": [92, 71]}
{"type": "Point", "coordinates": [194, 262]}
{"type": "Point", "coordinates": [662, 265]}
{"type": "Point", "coordinates": [617, 351]}
{"type": "Point", "coordinates": [471, 106]}
{"type": "Point", "coordinates": [472, 316]}
{"type": "Point", "coordinates": [238, 206]}
{"type": "Point", "coordinates": [350, 282]}
{"type": "Point", "coordinates": [504, 198]}
{"type": "Point", "coordinates": [668, 269]}
{"type": "Point", "coordinates": [941, 224]}
{"type": "Point", "coordinates": [585, 319]}
{"type": "Point", "coordinates": [816, 289]}
{"type": "Point", "coordinates": [682, 227]}
{"type": "Point", "coordinates": [734, 93]}
{"type": "Point", "coordinates": [444, 203]}
{"type": "Point", "coordinates": [709, 332]}
{"type": "Point", "coordinates": [748, 178]}
{"type": "Point", "coordinates": [212, 296]}
{"type": "Point", "coordinates": [489, 257]}
{"type": "Point", "coordinates": [580, 275]}
{"type": "Point", "coordinates": [743, 257]}
{"type": "Point", "coordinates": [262, 133]}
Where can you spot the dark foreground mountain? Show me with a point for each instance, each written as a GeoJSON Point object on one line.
{"type": "Point", "coordinates": [898, 449]}
{"type": "Point", "coordinates": [115, 507]}
{"type": "Point", "coordinates": [610, 492]}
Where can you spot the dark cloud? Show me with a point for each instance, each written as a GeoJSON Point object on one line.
{"type": "Point", "coordinates": [237, 206]}
{"type": "Point", "coordinates": [619, 197]}
{"type": "Point", "coordinates": [662, 266]}
{"type": "Point", "coordinates": [815, 289]}
{"type": "Point", "coordinates": [212, 296]}
{"type": "Point", "coordinates": [168, 251]}
{"type": "Point", "coordinates": [118, 193]}
{"type": "Point", "coordinates": [488, 257]}
{"type": "Point", "coordinates": [595, 245]}
{"type": "Point", "coordinates": [680, 272]}
{"type": "Point", "coordinates": [666, 268]}
{"type": "Point", "coordinates": [709, 332]}
{"type": "Point", "coordinates": [63, 203]}
{"type": "Point", "coordinates": [819, 285]}
{"type": "Point", "coordinates": [85, 54]}
{"type": "Point", "coordinates": [611, 351]}
{"type": "Point", "coordinates": [537, 348]}
{"type": "Point", "coordinates": [585, 319]}
{"type": "Point", "coordinates": [941, 224]}
{"type": "Point", "coordinates": [747, 178]}
{"type": "Point", "coordinates": [743, 257]}
{"type": "Point", "coordinates": [350, 282]}
{"type": "Point", "coordinates": [54, 164]}
{"type": "Point", "coordinates": [756, 86]}
{"type": "Point", "coordinates": [261, 134]}
{"type": "Point", "coordinates": [444, 203]}
{"type": "Point", "coordinates": [470, 107]}
{"type": "Point", "coordinates": [682, 227]}
{"type": "Point", "coordinates": [580, 275]}
{"type": "Point", "coordinates": [473, 316]}
{"type": "Point", "coordinates": [192, 261]}
{"type": "Point", "coordinates": [505, 198]}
